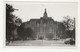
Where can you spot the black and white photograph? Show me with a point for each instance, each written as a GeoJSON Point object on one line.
{"type": "Point", "coordinates": [40, 23]}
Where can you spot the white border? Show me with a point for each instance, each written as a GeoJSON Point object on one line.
{"type": "Point", "coordinates": [40, 49]}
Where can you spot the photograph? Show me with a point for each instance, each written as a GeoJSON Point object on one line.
{"type": "Point", "coordinates": [40, 23]}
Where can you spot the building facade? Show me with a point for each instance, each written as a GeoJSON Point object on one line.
{"type": "Point", "coordinates": [44, 27]}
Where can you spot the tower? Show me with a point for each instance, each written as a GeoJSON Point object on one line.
{"type": "Point", "coordinates": [45, 14]}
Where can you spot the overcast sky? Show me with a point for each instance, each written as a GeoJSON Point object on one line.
{"type": "Point", "coordinates": [31, 10]}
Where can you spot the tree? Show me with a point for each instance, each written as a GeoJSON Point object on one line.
{"type": "Point", "coordinates": [21, 31]}
{"type": "Point", "coordinates": [12, 22]}
{"type": "Point", "coordinates": [30, 32]}
{"type": "Point", "coordinates": [69, 23]}
{"type": "Point", "coordinates": [70, 26]}
{"type": "Point", "coordinates": [9, 25]}
{"type": "Point", "coordinates": [25, 33]}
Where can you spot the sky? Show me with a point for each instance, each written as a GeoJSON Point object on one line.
{"type": "Point", "coordinates": [35, 10]}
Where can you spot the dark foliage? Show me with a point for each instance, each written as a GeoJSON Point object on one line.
{"type": "Point", "coordinates": [21, 31]}
{"type": "Point", "coordinates": [25, 33]}
{"type": "Point", "coordinates": [9, 24]}
{"type": "Point", "coordinates": [70, 27]}
{"type": "Point", "coordinates": [12, 23]}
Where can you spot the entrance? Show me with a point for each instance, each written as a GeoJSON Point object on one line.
{"type": "Point", "coordinates": [41, 37]}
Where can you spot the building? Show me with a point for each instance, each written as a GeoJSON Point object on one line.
{"type": "Point", "coordinates": [44, 27]}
